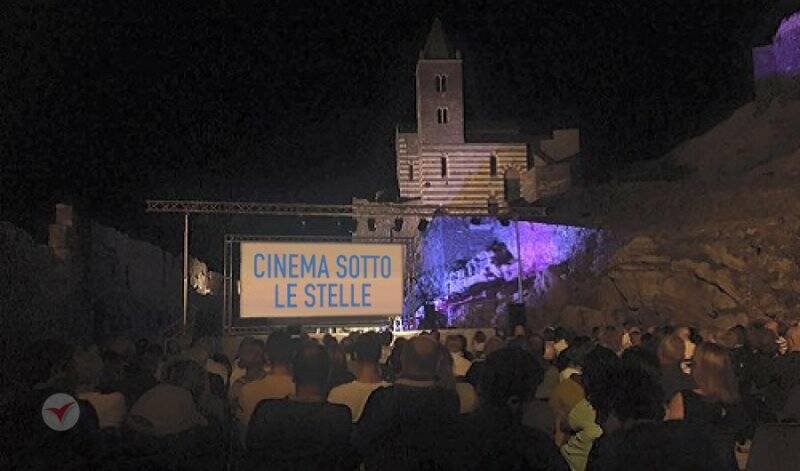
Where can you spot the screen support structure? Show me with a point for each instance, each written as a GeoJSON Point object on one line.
{"type": "Point", "coordinates": [187, 207]}
{"type": "Point", "coordinates": [230, 299]}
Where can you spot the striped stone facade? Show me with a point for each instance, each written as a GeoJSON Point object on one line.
{"type": "Point", "coordinates": [471, 174]}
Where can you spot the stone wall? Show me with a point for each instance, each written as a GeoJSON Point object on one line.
{"type": "Point", "coordinates": [40, 296]}
{"type": "Point", "coordinates": [91, 281]}
{"type": "Point", "coordinates": [134, 286]}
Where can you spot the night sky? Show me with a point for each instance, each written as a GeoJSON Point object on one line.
{"type": "Point", "coordinates": [105, 105]}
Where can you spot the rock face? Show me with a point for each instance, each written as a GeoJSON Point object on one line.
{"type": "Point", "coordinates": [719, 245]}
{"type": "Point", "coordinates": [741, 271]}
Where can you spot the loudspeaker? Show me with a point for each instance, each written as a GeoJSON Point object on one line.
{"type": "Point", "coordinates": [431, 319]}
{"type": "Point", "coordinates": [516, 315]}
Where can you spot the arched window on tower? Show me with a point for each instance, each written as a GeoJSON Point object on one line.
{"type": "Point", "coordinates": [411, 172]}
{"type": "Point", "coordinates": [441, 83]}
{"type": "Point", "coordinates": [444, 167]}
{"type": "Point", "coordinates": [441, 115]}
{"type": "Point", "coordinates": [493, 165]}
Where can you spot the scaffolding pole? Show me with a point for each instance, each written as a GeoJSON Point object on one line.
{"type": "Point", "coordinates": [185, 270]}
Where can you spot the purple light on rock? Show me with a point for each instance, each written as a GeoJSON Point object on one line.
{"type": "Point", "coordinates": [782, 57]}
{"type": "Point", "coordinates": [786, 46]}
{"type": "Point", "coordinates": [463, 263]}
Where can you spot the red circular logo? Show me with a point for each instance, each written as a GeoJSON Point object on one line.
{"type": "Point", "coordinates": [60, 412]}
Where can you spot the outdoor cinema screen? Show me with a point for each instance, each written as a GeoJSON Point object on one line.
{"type": "Point", "coordinates": [309, 279]}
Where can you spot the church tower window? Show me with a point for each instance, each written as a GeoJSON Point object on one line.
{"type": "Point", "coordinates": [493, 165]}
{"type": "Point", "coordinates": [444, 167]}
{"type": "Point", "coordinates": [411, 172]}
{"type": "Point", "coordinates": [441, 83]}
{"type": "Point", "coordinates": [441, 115]}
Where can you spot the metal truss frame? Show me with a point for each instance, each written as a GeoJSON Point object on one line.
{"type": "Point", "coordinates": [334, 210]}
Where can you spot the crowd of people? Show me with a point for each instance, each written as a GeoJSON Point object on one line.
{"type": "Point", "coordinates": [624, 397]}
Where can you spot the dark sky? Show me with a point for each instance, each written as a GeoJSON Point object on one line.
{"type": "Point", "coordinates": [105, 103]}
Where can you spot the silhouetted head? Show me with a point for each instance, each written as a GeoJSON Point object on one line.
{"type": "Point", "coordinates": [713, 373]}
{"type": "Point", "coordinates": [279, 348]}
{"type": "Point", "coordinates": [509, 379]}
{"type": "Point", "coordinates": [598, 379]}
{"type": "Point", "coordinates": [637, 394]}
{"type": "Point", "coordinates": [453, 343]}
{"type": "Point", "coordinates": [328, 340]}
{"type": "Point", "coordinates": [251, 354]}
{"type": "Point", "coordinates": [367, 348]}
{"type": "Point", "coordinates": [420, 357]}
{"type": "Point", "coordinates": [186, 374]}
{"type": "Point", "coordinates": [671, 350]}
{"type": "Point", "coordinates": [311, 366]}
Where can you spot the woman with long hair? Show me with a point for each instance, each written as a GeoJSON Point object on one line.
{"type": "Point", "coordinates": [714, 404]}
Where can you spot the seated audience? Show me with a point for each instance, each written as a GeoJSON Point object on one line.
{"type": "Point", "coordinates": [170, 407]}
{"type": "Point", "coordinates": [644, 440]}
{"type": "Point", "coordinates": [597, 408]}
{"type": "Point", "coordinates": [461, 365]}
{"type": "Point", "coordinates": [339, 372]}
{"type": "Point", "coordinates": [467, 397]}
{"type": "Point", "coordinates": [393, 364]}
{"type": "Point", "coordinates": [495, 438]}
{"type": "Point", "coordinates": [110, 407]}
{"type": "Point", "coordinates": [386, 345]}
{"type": "Point", "coordinates": [367, 354]}
{"type": "Point", "coordinates": [277, 384]}
{"type": "Point", "coordinates": [478, 343]}
{"type": "Point", "coordinates": [786, 370]}
{"type": "Point", "coordinates": [413, 423]}
{"type": "Point", "coordinates": [583, 421]}
{"type": "Point", "coordinates": [569, 391]}
{"type": "Point", "coordinates": [304, 430]}
{"type": "Point", "coordinates": [474, 374]}
{"type": "Point", "coordinates": [29, 443]}
{"type": "Point", "coordinates": [251, 359]}
{"type": "Point", "coordinates": [714, 404]}
{"type": "Point", "coordinates": [670, 355]}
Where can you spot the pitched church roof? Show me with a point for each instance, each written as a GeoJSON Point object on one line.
{"type": "Point", "coordinates": [437, 46]}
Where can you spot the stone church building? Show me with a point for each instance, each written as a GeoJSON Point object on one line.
{"type": "Point", "coordinates": [444, 162]}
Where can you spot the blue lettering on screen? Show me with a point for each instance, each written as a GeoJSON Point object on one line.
{"type": "Point", "coordinates": [386, 266]}
{"type": "Point", "coordinates": [290, 265]}
{"type": "Point", "coordinates": [256, 272]}
{"type": "Point", "coordinates": [323, 294]}
{"type": "Point", "coordinates": [337, 295]}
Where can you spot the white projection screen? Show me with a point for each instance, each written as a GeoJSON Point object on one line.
{"type": "Point", "coordinates": [309, 279]}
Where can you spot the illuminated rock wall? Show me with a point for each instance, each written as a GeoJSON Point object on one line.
{"type": "Point", "coordinates": [470, 270]}
{"type": "Point", "coordinates": [776, 67]}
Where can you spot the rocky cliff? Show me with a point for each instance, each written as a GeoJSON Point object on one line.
{"type": "Point", "coordinates": [717, 246]}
